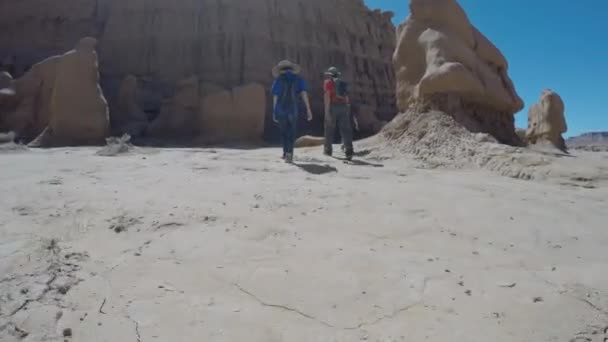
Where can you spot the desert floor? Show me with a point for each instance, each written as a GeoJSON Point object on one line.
{"type": "Point", "coordinates": [235, 245]}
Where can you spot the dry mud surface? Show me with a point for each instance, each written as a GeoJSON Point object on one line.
{"type": "Point", "coordinates": [235, 245]}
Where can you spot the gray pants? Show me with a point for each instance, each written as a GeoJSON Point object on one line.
{"type": "Point", "coordinates": [339, 113]}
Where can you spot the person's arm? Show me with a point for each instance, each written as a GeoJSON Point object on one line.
{"type": "Point", "coordinates": [274, 106]}
{"type": "Point", "coordinates": [303, 91]}
{"type": "Point", "coordinates": [304, 95]}
{"type": "Point", "coordinates": [327, 102]}
{"type": "Point", "coordinates": [356, 123]}
{"type": "Point", "coordinates": [275, 91]}
{"type": "Point", "coordinates": [327, 97]}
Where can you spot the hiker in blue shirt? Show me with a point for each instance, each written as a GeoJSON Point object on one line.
{"type": "Point", "coordinates": [286, 89]}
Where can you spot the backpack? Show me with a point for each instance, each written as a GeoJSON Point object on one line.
{"type": "Point", "coordinates": [287, 99]}
{"type": "Point", "coordinates": [341, 89]}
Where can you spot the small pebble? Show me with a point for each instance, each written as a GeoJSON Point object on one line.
{"type": "Point", "coordinates": [538, 299]}
{"type": "Point", "coordinates": [468, 292]}
{"type": "Point", "coordinates": [67, 332]}
{"type": "Point", "coordinates": [63, 289]}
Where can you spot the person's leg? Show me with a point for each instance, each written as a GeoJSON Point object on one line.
{"type": "Point", "coordinates": [283, 132]}
{"type": "Point", "coordinates": [293, 133]}
{"type": "Point", "coordinates": [346, 129]}
{"type": "Point", "coordinates": [291, 137]}
{"type": "Point", "coordinates": [330, 127]}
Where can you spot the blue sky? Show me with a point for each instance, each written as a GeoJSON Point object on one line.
{"type": "Point", "coordinates": [557, 44]}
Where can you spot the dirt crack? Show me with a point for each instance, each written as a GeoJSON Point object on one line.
{"type": "Point", "coordinates": [569, 291]}
{"type": "Point", "coordinates": [136, 324]}
{"type": "Point", "coordinates": [325, 323]}
{"type": "Point", "coordinates": [46, 290]}
{"type": "Point", "coordinates": [385, 317]}
{"type": "Point", "coordinates": [282, 307]}
{"type": "Point", "coordinates": [591, 304]}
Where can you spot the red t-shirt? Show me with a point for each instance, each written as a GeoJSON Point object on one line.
{"type": "Point", "coordinates": [329, 86]}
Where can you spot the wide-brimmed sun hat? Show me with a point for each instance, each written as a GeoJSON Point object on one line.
{"type": "Point", "coordinates": [333, 71]}
{"type": "Point", "coordinates": [285, 65]}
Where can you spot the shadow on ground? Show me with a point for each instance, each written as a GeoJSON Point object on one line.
{"type": "Point", "coordinates": [316, 169]}
{"type": "Point", "coordinates": [358, 162]}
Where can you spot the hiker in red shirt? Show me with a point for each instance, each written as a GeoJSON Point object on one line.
{"type": "Point", "coordinates": [337, 110]}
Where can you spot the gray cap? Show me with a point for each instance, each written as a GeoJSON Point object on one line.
{"type": "Point", "coordinates": [333, 71]}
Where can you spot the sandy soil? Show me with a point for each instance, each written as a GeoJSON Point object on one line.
{"type": "Point", "coordinates": [235, 245]}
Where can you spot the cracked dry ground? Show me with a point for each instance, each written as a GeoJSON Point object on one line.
{"type": "Point", "coordinates": [228, 245]}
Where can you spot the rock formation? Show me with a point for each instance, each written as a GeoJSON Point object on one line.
{"type": "Point", "coordinates": [5, 79]}
{"type": "Point", "coordinates": [443, 62]}
{"type": "Point", "coordinates": [177, 119]}
{"type": "Point", "coordinates": [128, 117]}
{"type": "Point", "coordinates": [74, 106]}
{"type": "Point", "coordinates": [7, 93]}
{"type": "Point", "coordinates": [225, 42]}
{"type": "Point", "coordinates": [33, 96]}
{"type": "Point", "coordinates": [234, 116]}
{"type": "Point", "coordinates": [546, 121]}
{"type": "Point", "coordinates": [60, 100]}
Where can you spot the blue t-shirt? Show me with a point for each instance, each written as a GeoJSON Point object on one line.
{"type": "Point", "coordinates": [287, 106]}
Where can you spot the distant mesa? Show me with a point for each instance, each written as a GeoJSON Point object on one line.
{"type": "Point", "coordinates": [591, 141]}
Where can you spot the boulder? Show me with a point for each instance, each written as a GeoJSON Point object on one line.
{"type": "Point", "coordinates": [7, 93]}
{"type": "Point", "coordinates": [234, 116]}
{"type": "Point", "coordinates": [33, 95]}
{"type": "Point", "coordinates": [442, 62]}
{"type": "Point", "coordinates": [5, 79]}
{"type": "Point", "coordinates": [546, 121]}
{"type": "Point", "coordinates": [177, 118]}
{"type": "Point", "coordinates": [128, 117]}
{"type": "Point", "coordinates": [309, 141]}
{"type": "Point", "coordinates": [78, 111]}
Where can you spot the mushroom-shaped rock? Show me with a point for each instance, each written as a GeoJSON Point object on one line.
{"type": "Point", "coordinates": [443, 62]}
{"type": "Point", "coordinates": [546, 121]}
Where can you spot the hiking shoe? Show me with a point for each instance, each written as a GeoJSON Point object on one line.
{"type": "Point", "coordinates": [283, 156]}
{"type": "Point", "coordinates": [327, 153]}
{"type": "Point", "coordinates": [349, 157]}
{"type": "Point", "coordinates": [289, 158]}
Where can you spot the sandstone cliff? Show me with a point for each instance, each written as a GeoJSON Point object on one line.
{"type": "Point", "coordinates": [443, 62]}
{"type": "Point", "coordinates": [224, 42]}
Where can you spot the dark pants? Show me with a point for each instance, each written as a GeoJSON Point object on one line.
{"type": "Point", "coordinates": [338, 114]}
{"type": "Point", "coordinates": [288, 127]}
